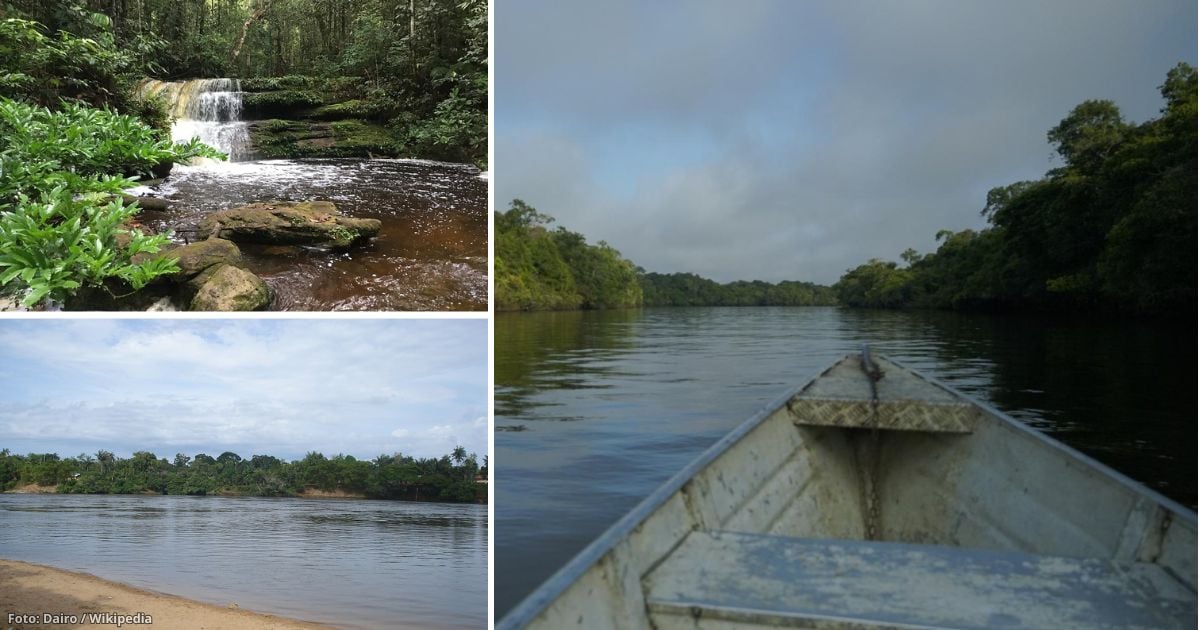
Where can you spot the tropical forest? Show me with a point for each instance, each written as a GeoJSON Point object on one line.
{"type": "Point", "coordinates": [232, 154]}
{"type": "Point", "coordinates": [1111, 230]}
{"type": "Point", "coordinates": [538, 268]}
{"type": "Point", "coordinates": [456, 477]}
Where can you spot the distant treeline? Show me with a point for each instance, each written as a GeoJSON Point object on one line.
{"type": "Point", "coordinates": [448, 478]}
{"type": "Point", "coordinates": [688, 289]}
{"type": "Point", "coordinates": [1112, 230]}
{"type": "Point", "coordinates": [542, 269]}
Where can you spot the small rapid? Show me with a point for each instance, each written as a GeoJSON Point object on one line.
{"type": "Point", "coordinates": [208, 109]}
{"type": "Point", "coordinates": [430, 255]}
{"type": "Point", "coordinates": [432, 249]}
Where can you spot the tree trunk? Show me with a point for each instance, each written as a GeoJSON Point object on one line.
{"type": "Point", "coordinates": [255, 16]}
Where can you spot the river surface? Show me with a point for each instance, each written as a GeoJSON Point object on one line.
{"type": "Point", "coordinates": [595, 410]}
{"type": "Point", "coordinates": [348, 563]}
{"type": "Point", "coordinates": [431, 253]}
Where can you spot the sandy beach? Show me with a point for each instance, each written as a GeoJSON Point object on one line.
{"type": "Point", "coordinates": [33, 591]}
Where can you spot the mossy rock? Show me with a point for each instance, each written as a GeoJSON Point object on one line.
{"type": "Point", "coordinates": [230, 288]}
{"type": "Point", "coordinates": [290, 223]}
{"type": "Point", "coordinates": [353, 108]}
{"type": "Point", "coordinates": [334, 85]}
{"type": "Point", "coordinates": [282, 139]}
{"type": "Point", "coordinates": [279, 103]}
{"type": "Point", "coordinates": [194, 258]}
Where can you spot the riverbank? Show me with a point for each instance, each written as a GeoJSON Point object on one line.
{"type": "Point", "coordinates": [33, 488]}
{"type": "Point", "coordinates": [308, 493]}
{"type": "Point", "coordinates": [36, 590]}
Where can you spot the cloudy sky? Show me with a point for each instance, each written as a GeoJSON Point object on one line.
{"type": "Point", "coordinates": [793, 140]}
{"type": "Point", "coordinates": [283, 387]}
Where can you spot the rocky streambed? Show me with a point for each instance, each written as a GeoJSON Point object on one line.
{"type": "Point", "coordinates": [332, 234]}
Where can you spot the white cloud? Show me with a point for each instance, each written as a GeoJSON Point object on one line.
{"type": "Point", "coordinates": [283, 388]}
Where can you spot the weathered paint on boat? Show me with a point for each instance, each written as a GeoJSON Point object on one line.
{"type": "Point", "coordinates": [894, 501]}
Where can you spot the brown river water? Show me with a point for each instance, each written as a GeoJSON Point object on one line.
{"type": "Point", "coordinates": [431, 253]}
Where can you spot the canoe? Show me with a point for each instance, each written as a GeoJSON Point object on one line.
{"type": "Point", "coordinates": [874, 496]}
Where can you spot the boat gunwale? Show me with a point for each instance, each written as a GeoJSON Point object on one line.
{"type": "Point", "coordinates": [545, 594]}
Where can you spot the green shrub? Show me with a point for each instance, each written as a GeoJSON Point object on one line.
{"type": "Point", "coordinates": [60, 226]}
{"type": "Point", "coordinates": [457, 131]}
{"type": "Point", "coordinates": [58, 243]}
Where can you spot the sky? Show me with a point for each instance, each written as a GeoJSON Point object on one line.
{"type": "Point", "coordinates": [786, 139]}
{"type": "Point", "coordinates": [254, 387]}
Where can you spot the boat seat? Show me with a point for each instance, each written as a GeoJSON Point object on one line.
{"type": "Point", "coordinates": [714, 579]}
{"type": "Point", "coordinates": [900, 400]}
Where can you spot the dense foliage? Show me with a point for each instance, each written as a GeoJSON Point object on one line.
{"type": "Point", "coordinates": [448, 478]}
{"type": "Point", "coordinates": [687, 289]}
{"type": "Point", "coordinates": [63, 225]}
{"type": "Point", "coordinates": [1113, 229]}
{"type": "Point", "coordinates": [418, 67]}
{"type": "Point", "coordinates": [542, 269]}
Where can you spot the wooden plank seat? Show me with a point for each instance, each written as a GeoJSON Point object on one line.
{"type": "Point", "coordinates": [899, 400]}
{"type": "Point", "coordinates": [717, 579]}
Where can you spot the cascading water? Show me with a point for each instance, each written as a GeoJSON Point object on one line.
{"type": "Point", "coordinates": [209, 109]}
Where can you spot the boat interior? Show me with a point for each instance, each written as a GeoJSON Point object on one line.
{"type": "Point", "coordinates": [875, 497]}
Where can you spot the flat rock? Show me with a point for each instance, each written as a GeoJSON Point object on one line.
{"type": "Point", "coordinates": [147, 203]}
{"type": "Point", "coordinates": [289, 223]}
{"type": "Point", "coordinates": [230, 288]}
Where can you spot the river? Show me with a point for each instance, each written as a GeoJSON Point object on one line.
{"type": "Point", "coordinates": [431, 252]}
{"type": "Point", "coordinates": [348, 563]}
{"type": "Point", "coordinates": [596, 409]}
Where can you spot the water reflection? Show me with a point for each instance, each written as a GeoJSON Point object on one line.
{"type": "Point", "coordinates": [356, 564]}
{"type": "Point", "coordinates": [611, 404]}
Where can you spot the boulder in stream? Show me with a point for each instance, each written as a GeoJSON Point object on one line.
{"type": "Point", "coordinates": [147, 203]}
{"type": "Point", "coordinates": [225, 287]}
{"type": "Point", "coordinates": [289, 223]}
{"type": "Point", "coordinates": [199, 256]}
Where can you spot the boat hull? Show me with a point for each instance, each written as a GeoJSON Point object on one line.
{"type": "Point", "coordinates": [918, 464]}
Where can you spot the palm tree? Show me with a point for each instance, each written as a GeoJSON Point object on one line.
{"type": "Point", "coordinates": [459, 455]}
{"type": "Point", "coordinates": [104, 457]}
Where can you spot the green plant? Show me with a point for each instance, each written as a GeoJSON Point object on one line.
{"type": "Point", "coordinates": [62, 222]}
{"type": "Point", "coordinates": [343, 234]}
{"type": "Point", "coordinates": [58, 243]}
{"type": "Point", "coordinates": [42, 149]}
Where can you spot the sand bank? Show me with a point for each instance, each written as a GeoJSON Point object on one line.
{"type": "Point", "coordinates": [33, 488]}
{"type": "Point", "coordinates": [35, 590]}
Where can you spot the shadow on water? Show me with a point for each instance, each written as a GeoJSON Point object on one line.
{"type": "Point", "coordinates": [648, 390]}
{"type": "Point", "coordinates": [538, 351]}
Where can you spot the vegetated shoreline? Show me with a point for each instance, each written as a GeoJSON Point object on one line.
{"type": "Point", "coordinates": [37, 590]}
{"type": "Point", "coordinates": [455, 477]}
{"type": "Point", "coordinates": [308, 493]}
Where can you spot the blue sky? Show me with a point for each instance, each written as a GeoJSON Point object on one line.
{"type": "Point", "coordinates": [277, 387]}
{"type": "Point", "coordinates": [780, 139]}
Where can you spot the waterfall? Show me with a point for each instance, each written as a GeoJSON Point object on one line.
{"type": "Point", "coordinates": [209, 109]}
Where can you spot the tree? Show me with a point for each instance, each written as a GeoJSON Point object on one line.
{"type": "Point", "coordinates": [1089, 134]}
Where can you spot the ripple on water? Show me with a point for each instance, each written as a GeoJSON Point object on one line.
{"type": "Point", "coordinates": [431, 253]}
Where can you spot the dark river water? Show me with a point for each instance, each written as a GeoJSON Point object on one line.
{"type": "Point", "coordinates": [431, 253]}
{"type": "Point", "coordinates": [595, 410]}
{"type": "Point", "coordinates": [348, 563]}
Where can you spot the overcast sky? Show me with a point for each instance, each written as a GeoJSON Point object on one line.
{"type": "Point", "coordinates": [792, 140]}
{"type": "Point", "coordinates": [283, 387]}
